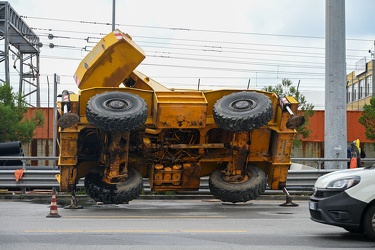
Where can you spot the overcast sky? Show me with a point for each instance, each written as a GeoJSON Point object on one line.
{"type": "Point", "coordinates": [219, 43]}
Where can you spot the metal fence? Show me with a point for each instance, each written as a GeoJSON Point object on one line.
{"type": "Point", "coordinates": [43, 177]}
{"type": "Point", "coordinates": [318, 163]}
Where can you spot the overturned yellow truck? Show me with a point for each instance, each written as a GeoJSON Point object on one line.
{"type": "Point", "coordinates": [123, 127]}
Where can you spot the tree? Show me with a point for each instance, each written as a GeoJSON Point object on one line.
{"type": "Point", "coordinates": [306, 109]}
{"type": "Point", "coordinates": [367, 119]}
{"type": "Point", "coordinates": [13, 125]}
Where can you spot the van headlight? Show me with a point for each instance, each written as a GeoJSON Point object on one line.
{"type": "Point", "coordinates": [344, 183]}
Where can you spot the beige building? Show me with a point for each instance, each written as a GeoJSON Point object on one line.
{"type": "Point", "coordinates": [360, 85]}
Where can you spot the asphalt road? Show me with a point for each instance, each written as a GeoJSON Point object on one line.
{"type": "Point", "coordinates": [170, 224]}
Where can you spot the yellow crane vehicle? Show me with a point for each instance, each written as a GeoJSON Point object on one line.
{"type": "Point", "coordinates": [123, 126]}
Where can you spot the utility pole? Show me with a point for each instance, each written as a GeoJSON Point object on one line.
{"type": "Point", "coordinates": [113, 14]}
{"type": "Point", "coordinates": [56, 80]}
{"type": "Point", "coordinates": [335, 129]}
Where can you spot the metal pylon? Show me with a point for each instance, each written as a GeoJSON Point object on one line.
{"type": "Point", "coordinates": [21, 44]}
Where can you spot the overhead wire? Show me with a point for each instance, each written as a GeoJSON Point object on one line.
{"type": "Point", "coordinates": [178, 51]}
{"type": "Point", "coordinates": [186, 29]}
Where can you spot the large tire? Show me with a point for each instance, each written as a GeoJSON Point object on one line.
{"type": "Point", "coordinates": [239, 191]}
{"type": "Point", "coordinates": [369, 222]}
{"type": "Point", "coordinates": [243, 111]}
{"type": "Point", "coordinates": [123, 192]}
{"type": "Point", "coordinates": [116, 111]}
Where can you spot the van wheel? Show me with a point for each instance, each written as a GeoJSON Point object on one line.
{"type": "Point", "coordinates": [116, 111]}
{"type": "Point", "coordinates": [253, 187]}
{"type": "Point", "coordinates": [243, 111]}
{"type": "Point", "coordinates": [369, 222]}
{"type": "Point", "coordinates": [122, 192]}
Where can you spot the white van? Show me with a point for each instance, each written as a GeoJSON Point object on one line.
{"type": "Point", "coordinates": [346, 199]}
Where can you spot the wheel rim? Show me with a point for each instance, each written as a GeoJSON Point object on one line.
{"type": "Point", "coordinates": [373, 222]}
{"type": "Point", "coordinates": [242, 105]}
{"type": "Point", "coordinates": [117, 104]}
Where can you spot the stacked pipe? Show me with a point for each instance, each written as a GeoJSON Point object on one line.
{"type": "Point", "coordinates": [11, 149]}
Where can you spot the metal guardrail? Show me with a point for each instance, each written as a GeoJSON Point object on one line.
{"type": "Point", "coordinates": [35, 177]}
{"type": "Point", "coordinates": [45, 179]}
{"type": "Point", "coordinates": [32, 179]}
{"type": "Point", "coordinates": [26, 158]}
{"type": "Point", "coordinates": [320, 161]}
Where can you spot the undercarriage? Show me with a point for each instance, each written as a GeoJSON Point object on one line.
{"type": "Point", "coordinates": [123, 127]}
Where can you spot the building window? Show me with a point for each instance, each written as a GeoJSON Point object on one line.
{"type": "Point", "coordinates": [369, 86]}
{"type": "Point", "coordinates": [360, 89]}
{"type": "Point", "coordinates": [349, 94]}
{"type": "Point", "coordinates": [355, 87]}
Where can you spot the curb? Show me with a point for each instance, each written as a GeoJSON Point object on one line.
{"type": "Point", "coordinates": [65, 199]}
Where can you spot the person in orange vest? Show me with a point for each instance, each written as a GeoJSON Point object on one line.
{"type": "Point", "coordinates": [355, 153]}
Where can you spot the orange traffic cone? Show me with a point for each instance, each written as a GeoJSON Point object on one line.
{"type": "Point", "coordinates": [53, 208]}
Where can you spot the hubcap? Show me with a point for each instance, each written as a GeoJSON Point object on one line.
{"type": "Point", "coordinates": [117, 104]}
{"type": "Point", "coordinates": [242, 105]}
